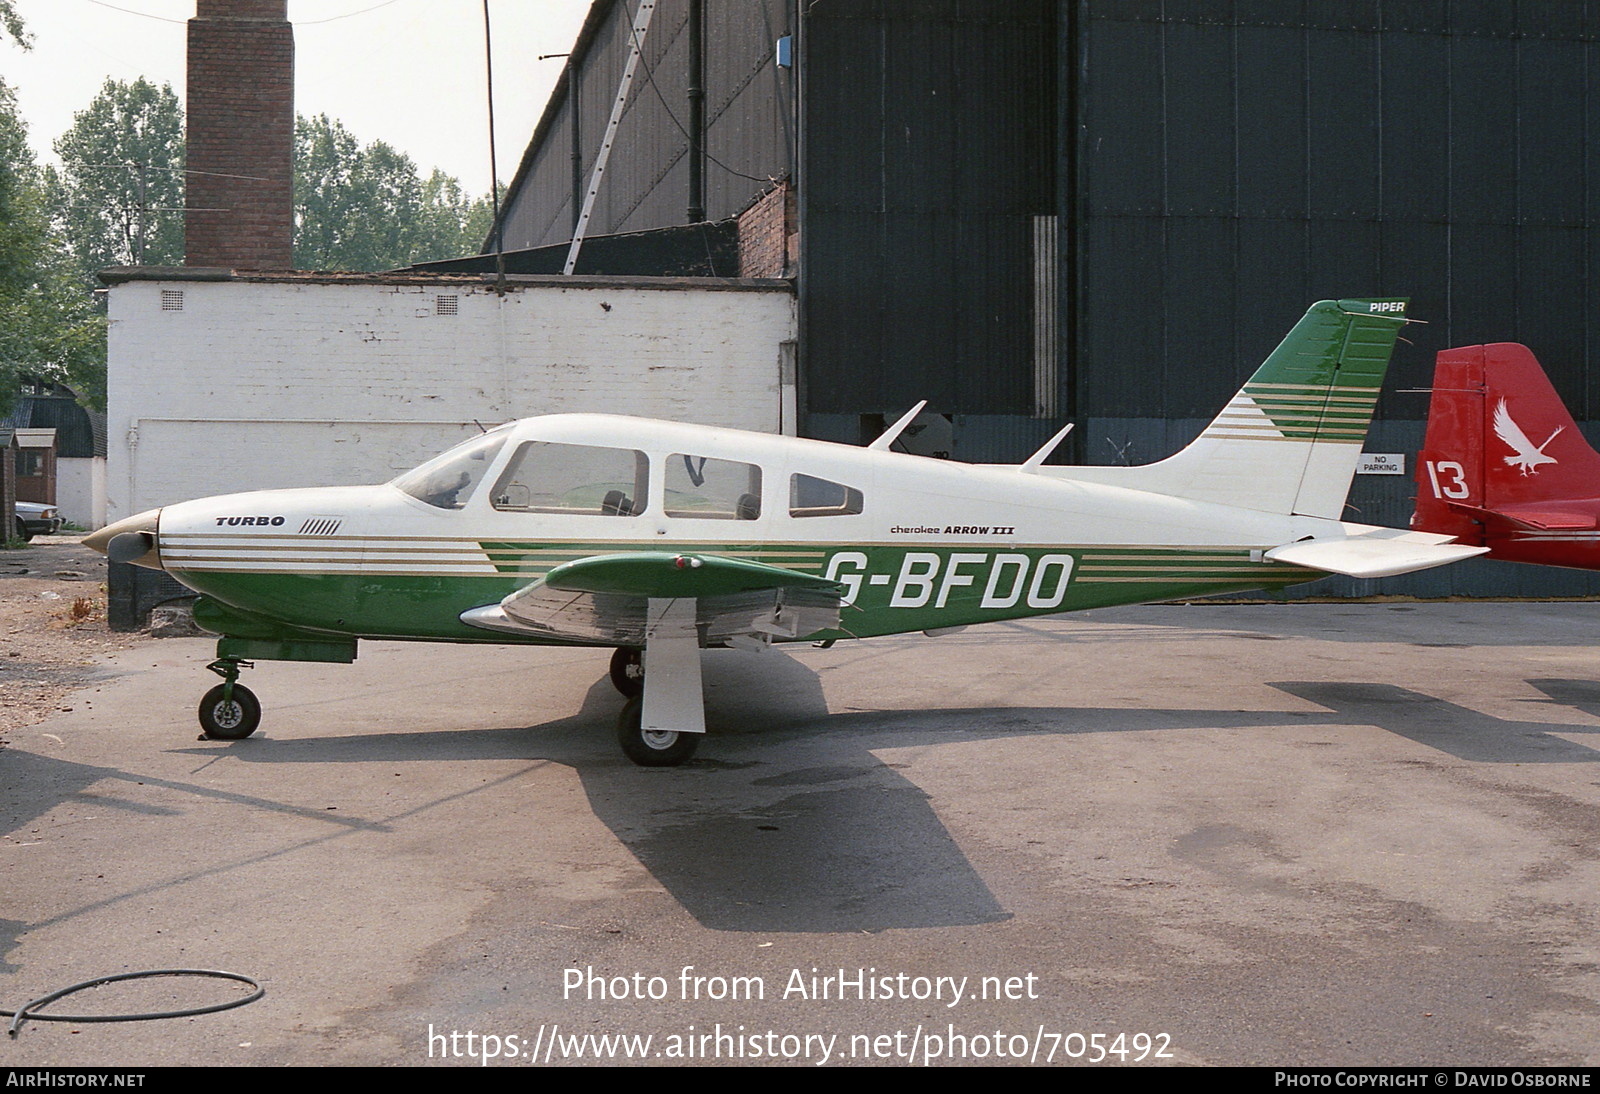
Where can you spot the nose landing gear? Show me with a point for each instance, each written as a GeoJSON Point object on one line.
{"type": "Point", "coordinates": [230, 711]}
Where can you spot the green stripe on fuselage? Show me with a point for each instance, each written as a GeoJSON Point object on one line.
{"type": "Point", "coordinates": [893, 588]}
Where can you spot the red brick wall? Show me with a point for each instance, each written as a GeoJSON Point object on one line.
{"type": "Point", "coordinates": [241, 122]}
{"type": "Point", "coordinates": [767, 237]}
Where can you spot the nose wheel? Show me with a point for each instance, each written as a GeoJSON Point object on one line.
{"type": "Point", "coordinates": [230, 711]}
{"type": "Point", "coordinates": [229, 717]}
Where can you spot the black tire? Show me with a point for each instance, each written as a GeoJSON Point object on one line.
{"type": "Point", "coordinates": [22, 532]}
{"type": "Point", "coordinates": [627, 671]}
{"type": "Point", "coordinates": [653, 749]}
{"type": "Point", "coordinates": [230, 721]}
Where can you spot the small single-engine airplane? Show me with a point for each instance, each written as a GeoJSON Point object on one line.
{"type": "Point", "coordinates": [659, 538]}
{"type": "Point", "coordinates": [1503, 464]}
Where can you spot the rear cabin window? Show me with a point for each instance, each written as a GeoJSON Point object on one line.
{"type": "Point", "coordinates": [810, 496]}
{"type": "Point", "coordinates": [545, 477]}
{"type": "Point", "coordinates": [710, 489]}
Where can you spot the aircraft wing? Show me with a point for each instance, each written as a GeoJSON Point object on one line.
{"type": "Point", "coordinates": [606, 599]}
{"type": "Point", "coordinates": [1374, 552]}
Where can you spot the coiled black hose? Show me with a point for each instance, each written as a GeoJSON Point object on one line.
{"type": "Point", "coordinates": [27, 1011]}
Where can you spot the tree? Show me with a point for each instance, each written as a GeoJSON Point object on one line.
{"type": "Point", "coordinates": [367, 208]}
{"type": "Point", "coordinates": [11, 23]}
{"type": "Point", "coordinates": [453, 224]}
{"type": "Point", "coordinates": [118, 197]}
{"type": "Point", "coordinates": [355, 208]}
{"type": "Point", "coordinates": [49, 326]}
{"type": "Point", "coordinates": [480, 222]}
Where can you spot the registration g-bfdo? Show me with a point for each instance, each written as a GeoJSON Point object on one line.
{"type": "Point", "coordinates": [924, 575]}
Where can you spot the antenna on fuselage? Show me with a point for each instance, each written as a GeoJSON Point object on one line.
{"type": "Point", "coordinates": [891, 434]}
{"type": "Point", "coordinates": [1034, 462]}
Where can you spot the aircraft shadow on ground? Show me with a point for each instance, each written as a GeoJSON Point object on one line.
{"type": "Point", "coordinates": [1466, 734]}
{"type": "Point", "coordinates": [789, 821]}
{"type": "Point", "coordinates": [1581, 695]}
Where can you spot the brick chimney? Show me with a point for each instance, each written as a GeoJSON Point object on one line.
{"type": "Point", "coordinates": [241, 123]}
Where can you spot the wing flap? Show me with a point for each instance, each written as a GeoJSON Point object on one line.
{"type": "Point", "coordinates": [658, 574]}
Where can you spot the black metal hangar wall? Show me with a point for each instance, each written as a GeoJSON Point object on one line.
{"type": "Point", "coordinates": [927, 204]}
{"type": "Point", "coordinates": [1236, 161]}
{"type": "Point", "coordinates": [1110, 212]}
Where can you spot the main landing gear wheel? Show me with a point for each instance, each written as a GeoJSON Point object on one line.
{"type": "Point", "coordinates": [627, 671]}
{"type": "Point", "coordinates": [652, 747]}
{"type": "Point", "coordinates": [230, 719]}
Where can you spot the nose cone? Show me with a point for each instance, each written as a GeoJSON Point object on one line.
{"type": "Point", "coordinates": [132, 539]}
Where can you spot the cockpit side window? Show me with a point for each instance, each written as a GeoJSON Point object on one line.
{"type": "Point", "coordinates": [810, 496]}
{"type": "Point", "coordinates": [448, 480]}
{"type": "Point", "coordinates": [712, 489]}
{"type": "Point", "coordinates": [547, 477]}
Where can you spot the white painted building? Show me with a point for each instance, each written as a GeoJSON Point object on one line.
{"type": "Point", "coordinates": [221, 382]}
{"type": "Point", "coordinates": [81, 490]}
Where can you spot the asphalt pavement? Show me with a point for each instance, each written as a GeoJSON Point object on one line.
{"type": "Point", "coordinates": [1276, 834]}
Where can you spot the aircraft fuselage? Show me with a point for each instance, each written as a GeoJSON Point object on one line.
{"type": "Point", "coordinates": [934, 544]}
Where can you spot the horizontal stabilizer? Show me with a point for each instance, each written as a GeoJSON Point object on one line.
{"type": "Point", "coordinates": [1374, 552]}
{"type": "Point", "coordinates": [1540, 518]}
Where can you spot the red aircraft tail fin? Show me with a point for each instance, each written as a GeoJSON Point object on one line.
{"type": "Point", "coordinates": [1500, 443]}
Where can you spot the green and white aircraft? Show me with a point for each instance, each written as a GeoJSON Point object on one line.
{"type": "Point", "coordinates": [660, 538]}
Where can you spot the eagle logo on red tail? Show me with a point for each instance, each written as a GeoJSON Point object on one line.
{"type": "Point", "coordinates": [1527, 457]}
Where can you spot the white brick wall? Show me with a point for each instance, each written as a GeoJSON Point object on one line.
{"type": "Point", "coordinates": [81, 490]}
{"type": "Point", "coordinates": [256, 384]}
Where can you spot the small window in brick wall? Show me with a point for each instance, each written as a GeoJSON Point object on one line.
{"type": "Point", "coordinates": [446, 305]}
{"type": "Point", "coordinates": [171, 299]}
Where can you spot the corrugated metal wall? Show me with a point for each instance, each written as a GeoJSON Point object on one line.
{"type": "Point", "coordinates": [1240, 159]}
{"type": "Point", "coordinates": [748, 119]}
{"type": "Point", "coordinates": [928, 153]}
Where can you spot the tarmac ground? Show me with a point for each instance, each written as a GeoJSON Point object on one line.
{"type": "Point", "coordinates": [1304, 834]}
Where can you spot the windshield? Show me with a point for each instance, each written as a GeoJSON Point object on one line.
{"type": "Point", "coordinates": [448, 480]}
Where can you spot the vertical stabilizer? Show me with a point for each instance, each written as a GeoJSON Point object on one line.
{"type": "Point", "coordinates": [1289, 440]}
{"type": "Point", "coordinates": [1500, 442]}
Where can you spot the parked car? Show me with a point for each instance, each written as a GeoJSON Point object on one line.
{"type": "Point", "coordinates": [34, 519]}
